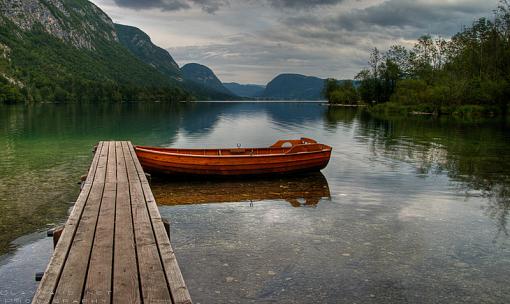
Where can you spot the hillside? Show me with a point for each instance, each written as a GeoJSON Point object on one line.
{"type": "Point", "coordinates": [294, 87]}
{"type": "Point", "coordinates": [69, 50]}
{"type": "Point", "coordinates": [200, 74]}
{"type": "Point", "coordinates": [245, 90]}
{"type": "Point", "coordinates": [140, 45]}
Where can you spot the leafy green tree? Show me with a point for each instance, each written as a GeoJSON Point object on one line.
{"type": "Point", "coordinates": [10, 94]}
{"type": "Point", "coordinates": [330, 86]}
{"type": "Point", "coordinates": [472, 68]}
{"type": "Point", "coordinates": [345, 93]}
{"type": "Point", "coordinates": [367, 88]}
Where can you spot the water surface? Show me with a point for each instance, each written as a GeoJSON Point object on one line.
{"type": "Point", "coordinates": [408, 211]}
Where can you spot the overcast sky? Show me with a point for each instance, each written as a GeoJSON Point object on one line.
{"type": "Point", "coordinates": [251, 41]}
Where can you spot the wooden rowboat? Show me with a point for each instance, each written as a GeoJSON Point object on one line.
{"type": "Point", "coordinates": [283, 157]}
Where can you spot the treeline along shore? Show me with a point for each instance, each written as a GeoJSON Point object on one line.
{"type": "Point", "coordinates": [467, 75]}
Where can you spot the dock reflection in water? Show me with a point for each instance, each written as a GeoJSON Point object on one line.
{"type": "Point", "coordinates": [303, 190]}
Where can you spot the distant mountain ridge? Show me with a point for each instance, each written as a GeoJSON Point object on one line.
{"type": "Point", "coordinates": [245, 90]}
{"type": "Point", "coordinates": [204, 76]}
{"type": "Point", "coordinates": [140, 44]}
{"type": "Point", "coordinates": [294, 87]}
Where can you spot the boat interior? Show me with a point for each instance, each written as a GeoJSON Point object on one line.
{"type": "Point", "coordinates": [280, 147]}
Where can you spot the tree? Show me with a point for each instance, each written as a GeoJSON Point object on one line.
{"type": "Point", "coordinates": [367, 88]}
{"type": "Point", "coordinates": [10, 94]}
{"type": "Point", "coordinates": [340, 92]}
{"type": "Point", "coordinates": [400, 56]}
{"type": "Point", "coordinates": [330, 86]}
{"type": "Point", "coordinates": [345, 94]}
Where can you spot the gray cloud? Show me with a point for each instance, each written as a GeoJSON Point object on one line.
{"type": "Point", "coordinates": [400, 18]}
{"type": "Point", "coordinates": [212, 6]}
{"type": "Point", "coordinates": [209, 6]}
{"type": "Point", "coordinates": [148, 4]}
{"type": "Point", "coordinates": [300, 4]}
{"type": "Point", "coordinates": [438, 16]}
{"type": "Point", "coordinates": [251, 41]}
{"type": "Point", "coordinates": [390, 22]}
{"type": "Point", "coordinates": [258, 58]}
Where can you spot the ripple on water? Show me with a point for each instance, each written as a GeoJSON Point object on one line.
{"type": "Point", "coordinates": [412, 210]}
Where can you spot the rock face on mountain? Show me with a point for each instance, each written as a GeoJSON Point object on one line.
{"type": "Point", "coordinates": [77, 22]}
{"type": "Point", "coordinates": [200, 74]}
{"type": "Point", "coordinates": [140, 44]}
{"type": "Point", "coordinates": [245, 90]}
{"type": "Point", "coordinates": [294, 87]}
{"type": "Point", "coordinates": [69, 50]}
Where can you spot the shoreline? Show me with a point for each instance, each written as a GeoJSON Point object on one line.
{"type": "Point", "coordinates": [344, 105]}
{"type": "Point", "coordinates": [467, 111]}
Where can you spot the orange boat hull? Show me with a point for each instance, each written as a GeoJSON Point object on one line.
{"type": "Point", "coordinates": [235, 162]}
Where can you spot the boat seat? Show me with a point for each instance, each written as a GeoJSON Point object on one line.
{"type": "Point", "coordinates": [289, 143]}
{"type": "Point", "coordinates": [238, 151]}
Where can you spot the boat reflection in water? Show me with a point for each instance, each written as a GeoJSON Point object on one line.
{"type": "Point", "coordinates": [302, 190]}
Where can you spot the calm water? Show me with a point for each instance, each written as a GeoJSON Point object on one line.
{"type": "Point", "coordinates": [408, 211]}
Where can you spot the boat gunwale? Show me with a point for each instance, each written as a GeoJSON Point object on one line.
{"type": "Point", "coordinates": [148, 150]}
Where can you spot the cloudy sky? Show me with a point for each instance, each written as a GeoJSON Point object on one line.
{"type": "Point", "coordinates": [251, 41]}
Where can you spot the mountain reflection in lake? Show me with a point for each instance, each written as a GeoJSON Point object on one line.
{"type": "Point", "coordinates": [409, 210]}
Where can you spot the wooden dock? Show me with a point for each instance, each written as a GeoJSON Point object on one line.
{"type": "Point", "coordinates": [114, 247]}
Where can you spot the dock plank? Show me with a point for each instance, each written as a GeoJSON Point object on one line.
{"type": "Point", "coordinates": [152, 275]}
{"type": "Point", "coordinates": [99, 278]}
{"type": "Point", "coordinates": [72, 281]}
{"type": "Point", "coordinates": [46, 288]}
{"type": "Point", "coordinates": [126, 288]}
{"type": "Point", "coordinates": [114, 248]}
{"type": "Point", "coordinates": [180, 293]}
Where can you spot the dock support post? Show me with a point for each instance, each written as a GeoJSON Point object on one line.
{"type": "Point", "coordinates": [167, 227]}
{"type": "Point", "coordinates": [39, 276]}
{"type": "Point", "coordinates": [55, 233]}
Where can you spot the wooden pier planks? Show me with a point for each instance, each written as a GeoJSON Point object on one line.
{"type": "Point", "coordinates": [180, 293]}
{"type": "Point", "coordinates": [99, 277]}
{"type": "Point", "coordinates": [125, 269]}
{"type": "Point", "coordinates": [114, 248]}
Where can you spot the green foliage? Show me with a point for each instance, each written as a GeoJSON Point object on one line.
{"type": "Point", "coordinates": [330, 86]}
{"type": "Point", "coordinates": [409, 92]}
{"type": "Point", "coordinates": [470, 72]}
{"type": "Point", "coordinates": [341, 93]}
{"type": "Point", "coordinates": [471, 111]}
{"type": "Point", "coordinates": [10, 94]}
{"type": "Point", "coordinates": [53, 70]}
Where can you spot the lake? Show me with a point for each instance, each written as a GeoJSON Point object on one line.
{"type": "Point", "coordinates": [409, 210]}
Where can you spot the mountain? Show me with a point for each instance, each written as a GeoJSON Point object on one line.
{"type": "Point", "coordinates": [140, 45]}
{"type": "Point", "coordinates": [294, 87]}
{"type": "Point", "coordinates": [245, 90]}
{"type": "Point", "coordinates": [69, 50]}
{"type": "Point", "coordinates": [200, 74]}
